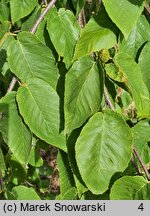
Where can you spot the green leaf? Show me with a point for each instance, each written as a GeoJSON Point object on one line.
{"type": "Point", "coordinates": [3, 57]}
{"type": "Point", "coordinates": [78, 5]}
{"type": "Point", "coordinates": [40, 32]}
{"type": "Point", "coordinates": [20, 9]}
{"type": "Point", "coordinates": [4, 11]}
{"type": "Point", "coordinates": [29, 58]}
{"type": "Point", "coordinates": [65, 36]}
{"type": "Point", "coordinates": [103, 148]}
{"type": "Point", "coordinates": [82, 100]}
{"type": "Point", "coordinates": [45, 170]}
{"type": "Point", "coordinates": [143, 193]}
{"type": "Point", "coordinates": [134, 81]}
{"type": "Point", "coordinates": [70, 194]}
{"type": "Point", "coordinates": [29, 21]}
{"type": "Point", "coordinates": [43, 35]}
{"type": "Point", "coordinates": [144, 64]}
{"type": "Point", "coordinates": [9, 195]}
{"type": "Point", "coordinates": [18, 172]}
{"type": "Point", "coordinates": [130, 188]}
{"type": "Point", "coordinates": [39, 105]}
{"type": "Point", "coordinates": [141, 139]}
{"type": "Point", "coordinates": [14, 131]}
{"type": "Point", "coordinates": [89, 196]}
{"type": "Point", "coordinates": [4, 43]}
{"type": "Point", "coordinates": [35, 158]}
{"type": "Point", "coordinates": [98, 33]}
{"type": "Point", "coordinates": [138, 36]}
{"type": "Point", "coordinates": [4, 27]}
{"type": "Point", "coordinates": [81, 189]}
{"type": "Point", "coordinates": [25, 193]}
{"type": "Point", "coordinates": [2, 162]}
{"type": "Point", "coordinates": [71, 141]}
{"type": "Point", "coordinates": [65, 173]}
{"type": "Point", "coordinates": [124, 13]}
{"type": "Point", "coordinates": [113, 72]}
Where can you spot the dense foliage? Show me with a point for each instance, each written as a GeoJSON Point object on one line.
{"type": "Point", "coordinates": [74, 99]}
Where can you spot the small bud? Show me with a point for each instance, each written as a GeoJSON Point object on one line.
{"type": "Point", "coordinates": [104, 55]}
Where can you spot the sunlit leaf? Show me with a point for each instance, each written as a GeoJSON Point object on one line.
{"type": "Point", "coordinates": [81, 99]}
{"type": "Point", "coordinates": [124, 13]}
{"type": "Point", "coordinates": [24, 193]}
{"type": "Point", "coordinates": [20, 9]}
{"type": "Point", "coordinates": [14, 131]}
{"type": "Point", "coordinates": [130, 188]}
{"type": "Point", "coordinates": [139, 35]}
{"type": "Point", "coordinates": [65, 174]}
{"type": "Point", "coordinates": [63, 38]}
{"type": "Point", "coordinates": [4, 11]}
{"type": "Point", "coordinates": [29, 58]}
{"type": "Point", "coordinates": [141, 139]}
{"type": "Point", "coordinates": [144, 64]}
{"type": "Point", "coordinates": [134, 81]}
{"type": "Point", "coordinates": [39, 105]}
{"type": "Point", "coordinates": [103, 148]}
{"type": "Point", "coordinates": [98, 33]}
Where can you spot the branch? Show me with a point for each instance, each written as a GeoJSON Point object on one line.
{"type": "Point", "coordinates": [82, 22]}
{"type": "Point", "coordinates": [81, 18]}
{"type": "Point", "coordinates": [41, 17]}
{"type": "Point", "coordinates": [141, 162]}
{"type": "Point", "coordinates": [134, 148]}
{"type": "Point", "coordinates": [12, 84]}
{"type": "Point", "coordinates": [107, 99]}
{"type": "Point", "coordinates": [136, 166]}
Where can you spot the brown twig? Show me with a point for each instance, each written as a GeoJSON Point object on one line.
{"type": "Point", "coordinates": [41, 17]}
{"type": "Point", "coordinates": [12, 84]}
{"type": "Point", "coordinates": [82, 22]}
{"type": "Point", "coordinates": [107, 99]}
{"type": "Point", "coordinates": [81, 18]}
{"type": "Point", "coordinates": [141, 162]}
{"type": "Point", "coordinates": [136, 166]}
